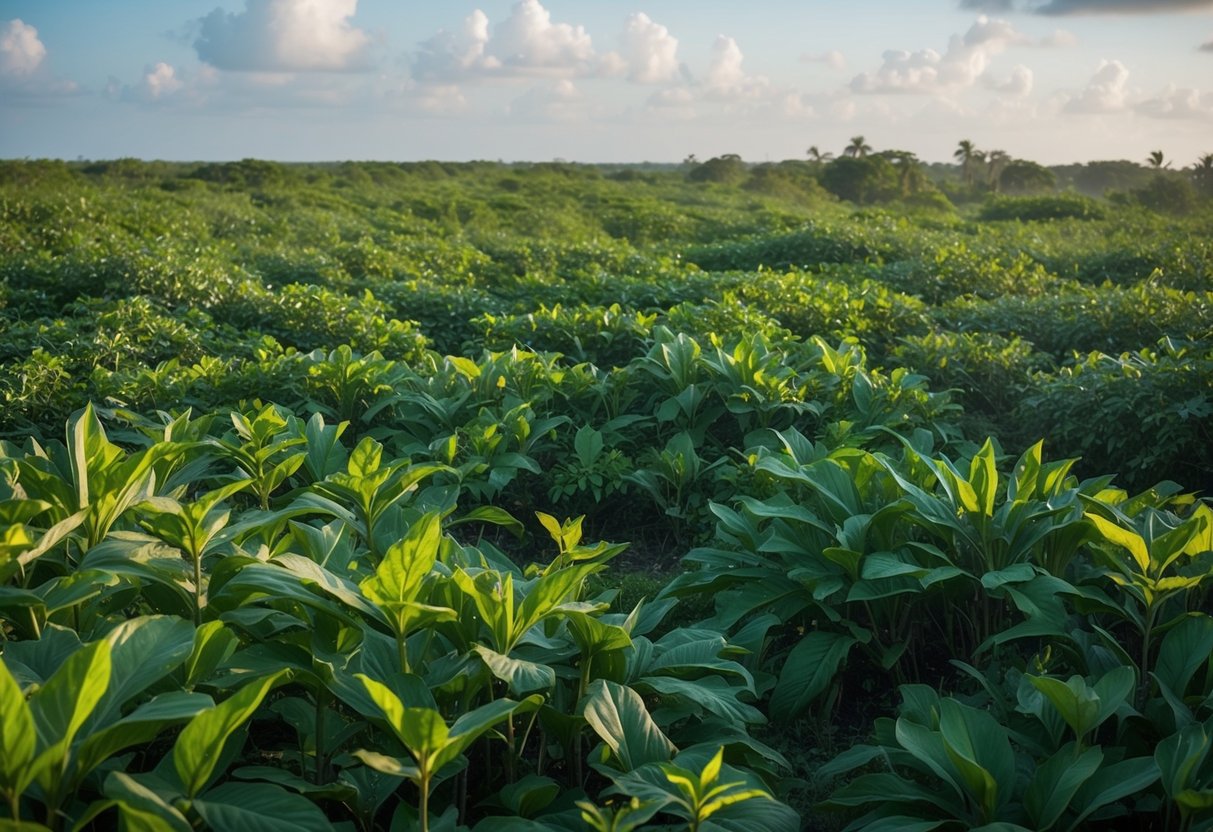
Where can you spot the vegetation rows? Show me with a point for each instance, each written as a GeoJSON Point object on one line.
{"type": "Point", "coordinates": [306, 471]}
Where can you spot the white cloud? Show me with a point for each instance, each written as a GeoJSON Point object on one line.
{"type": "Point", "coordinates": [1183, 103]}
{"type": "Point", "coordinates": [727, 78]}
{"type": "Point", "coordinates": [529, 41]}
{"type": "Point", "coordinates": [1106, 92]}
{"type": "Point", "coordinates": [833, 59]}
{"type": "Point", "coordinates": [21, 52]}
{"type": "Point", "coordinates": [161, 80]}
{"type": "Point", "coordinates": [1018, 85]}
{"type": "Point", "coordinates": [928, 72]}
{"type": "Point", "coordinates": [649, 51]}
{"type": "Point", "coordinates": [450, 55]}
{"type": "Point", "coordinates": [284, 36]}
{"type": "Point", "coordinates": [561, 101]}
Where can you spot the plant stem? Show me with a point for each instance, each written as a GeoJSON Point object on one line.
{"type": "Point", "coordinates": [197, 589]}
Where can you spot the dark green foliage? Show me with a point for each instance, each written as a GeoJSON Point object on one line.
{"type": "Point", "coordinates": [1042, 208]}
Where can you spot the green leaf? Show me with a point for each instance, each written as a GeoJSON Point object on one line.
{"type": "Point", "coordinates": [67, 700]}
{"type": "Point", "coordinates": [1125, 538]}
{"type": "Point", "coordinates": [1113, 783]}
{"type": "Point", "coordinates": [201, 742]}
{"type": "Point", "coordinates": [141, 803]}
{"type": "Point", "coordinates": [1077, 703]}
{"type": "Point", "coordinates": [140, 726]}
{"type": "Point", "coordinates": [619, 717]}
{"type": "Point", "coordinates": [258, 807]}
{"type": "Point", "coordinates": [406, 563]}
{"type": "Point", "coordinates": [143, 651]}
{"type": "Point", "coordinates": [981, 751]}
{"type": "Point", "coordinates": [808, 671]}
{"type": "Point", "coordinates": [18, 735]}
{"type": "Point", "coordinates": [522, 676]}
{"type": "Point", "coordinates": [1056, 781]}
{"type": "Point", "coordinates": [711, 693]}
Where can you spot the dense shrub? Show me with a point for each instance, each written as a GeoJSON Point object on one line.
{"type": "Point", "coordinates": [1030, 208]}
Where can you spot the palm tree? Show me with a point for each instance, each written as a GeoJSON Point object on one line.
{"type": "Point", "coordinates": [969, 156]}
{"type": "Point", "coordinates": [816, 155]}
{"type": "Point", "coordinates": [1156, 160]}
{"type": "Point", "coordinates": [906, 164]}
{"type": "Point", "coordinates": [858, 148]}
{"type": "Point", "coordinates": [996, 162]}
{"type": "Point", "coordinates": [1202, 174]}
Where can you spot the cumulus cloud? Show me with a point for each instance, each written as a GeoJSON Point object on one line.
{"type": "Point", "coordinates": [1106, 92]}
{"type": "Point", "coordinates": [833, 59]}
{"type": "Point", "coordinates": [450, 55]}
{"type": "Point", "coordinates": [1180, 103]}
{"type": "Point", "coordinates": [284, 36]}
{"type": "Point", "coordinates": [160, 81]}
{"type": "Point", "coordinates": [1074, 7]}
{"type": "Point", "coordinates": [21, 52]}
{"type": "Point", "coordinates": [527, 43]}
{"type": "Point", "coordinates": [726, 77]}
{"type": "Point", "coordinates": [1018, 85]}
{"type": "Point", "coordinates": [528, 40]}
{"type": "Point", "coordinates": [649, 53]}
{"type": "Point", "coordinates": [929, 72]}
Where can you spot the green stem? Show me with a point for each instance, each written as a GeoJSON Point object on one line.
{"type": "Point", "coordinates": [402, 648]}
{"type": "Point", "coordinates": [1145, 655]}
{"type": "Point", "coordinates": [197, 590]}
{"type": "Point", "coordinates": [14, 803]}
{"type": "Point", "coordinates": [425, 795]}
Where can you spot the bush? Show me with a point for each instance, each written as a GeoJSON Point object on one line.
{"type": "Point", "coordinates": [1033, 208]}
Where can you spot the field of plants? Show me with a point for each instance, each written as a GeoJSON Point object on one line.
{"type": "Point", "coordinates": [556, 497]}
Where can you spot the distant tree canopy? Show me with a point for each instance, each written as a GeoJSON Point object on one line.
{"type": "Point", "coordinates": [1021, 177]}
{"type": "Point", "coordinates": [726, 170]}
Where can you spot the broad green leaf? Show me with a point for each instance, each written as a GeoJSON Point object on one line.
{"type": "Point", "coordinates": [981, 752]}
{"type": "Point", "coordinates": [619, 717]}
{"type": "Point", "coordinates": [67, 700]}
{"type": "Point", "coordinates": [712, 694]}
{"type": "Point", "coordinates": [143, 651]}
{"type": "Point", "coordinates": [1186, 647]}
{"type": "Point", "coordinates": [808, 671]}
{"type": "Point", "coordinates": [1125, 538]}
{"type": "Point", "coordinates": [522, 676]}
{"type": "Point", "coordinates": [1180, 756]}
{"type": "Point", "coordinates": [1056, 781]}
{"type": "Point", "coordinates": [1112, 783]}
{"type": "Point", "coordinates": [406, 563]}
{"type": "Point", "coordinates": [18, 735]}
{"type": "Point", "coordinates": [983, 474]}
{"type": "Point", "coordinates": [258, 807]}
{"type": "Point", "coordinates": [201, 742]}
{"type": "Point", "coordinates": [214, 643]}
{"type": "Point", "coordinates": [1077, 703]}
{"type": "Point", "coordinates": [141, 803]}
{"type": "Point", "coordinates": [140, 726]}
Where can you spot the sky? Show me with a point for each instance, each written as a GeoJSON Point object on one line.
{"type": "Point", "coordinates": [1055, 81]}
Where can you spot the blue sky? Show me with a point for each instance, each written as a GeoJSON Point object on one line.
{"type": "Point", "coordinates": [1051, 80]}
